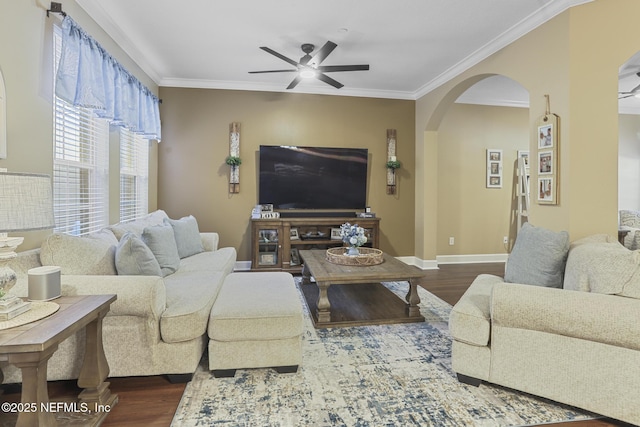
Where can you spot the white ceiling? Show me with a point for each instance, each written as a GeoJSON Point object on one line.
{"type": "Point", "coordinates": [412, 46]}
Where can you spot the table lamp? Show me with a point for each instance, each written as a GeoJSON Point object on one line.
{"type": "Point", "coordinates": [26, 204]}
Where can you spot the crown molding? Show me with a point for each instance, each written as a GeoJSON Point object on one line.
{"type": "Point", "coordinates": [518, 30]}
{"type": "Point", "coordinates": [267, 87]}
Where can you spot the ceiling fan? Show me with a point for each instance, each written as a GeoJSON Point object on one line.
{"type": "Point", "coordinates": [633, 92]}
{"type": "Point", "coordinates": [309, 66]}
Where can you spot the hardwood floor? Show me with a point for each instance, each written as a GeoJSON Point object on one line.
{"type": "Point", "coordinates": [152, 401]}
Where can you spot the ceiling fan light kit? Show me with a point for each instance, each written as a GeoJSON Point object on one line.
{"type": "Point", "coordinates": [309, 66]}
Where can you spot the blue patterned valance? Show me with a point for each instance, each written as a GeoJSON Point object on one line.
{"type": "Point", "coordinates": [89, 77]}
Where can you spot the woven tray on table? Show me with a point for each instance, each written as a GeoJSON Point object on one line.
{"type": "Point", "coordinates": [368, 256]}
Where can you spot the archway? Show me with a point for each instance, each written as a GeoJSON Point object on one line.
{"type": "Point", "coordinates": [471, 217]}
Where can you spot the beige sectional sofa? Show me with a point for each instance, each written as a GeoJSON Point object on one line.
{"type": "Point", "coordinates": [575, 342]}
{"type": "Point", "coordinates": [158, 324]}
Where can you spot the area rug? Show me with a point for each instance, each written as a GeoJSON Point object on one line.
{"type": "Point", "coordinates": [389, 375]}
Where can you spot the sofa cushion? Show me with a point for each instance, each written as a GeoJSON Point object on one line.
{"type": "Point", "coordinates": [134, 258]}
{"type": "Point", "coordinates": [191, 293]}
{"type": "Point", "coordinates": [187, 235]}
{"type": "Point", "coordinates": [190, 297]}
{"type": "Point", "coordinates": [137, 226]}
{"type": "Point", "coordinates": [223, 259]}
{"type": "Point", "coordinates": [604, 268]}
{"type": "Point", "coordinates": [470, 318]}
{"type": "Point", "coordinates": [160, 239]}
{"type": "Point", "coordinates": [93, 254]}
{"type": "Point", "coordinates": [538, 257]}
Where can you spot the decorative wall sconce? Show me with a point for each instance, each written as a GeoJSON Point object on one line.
{"type": "Point", "coordinates": [233, 160]}
{"type": "Point", "coordinates": [392, 161]}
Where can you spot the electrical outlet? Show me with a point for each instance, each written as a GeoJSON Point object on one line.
{"type": "Point", "coordinates": [451, 241]}
{"type": "Point", "coordinates": [505, 240]}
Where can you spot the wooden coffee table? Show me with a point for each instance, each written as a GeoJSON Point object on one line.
{"type": "Point", "coordinates": [326, 274]}
{"type": "Point", "coordinates": [30, 347]}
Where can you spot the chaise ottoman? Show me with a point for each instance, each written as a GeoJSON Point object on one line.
{"type": "Point", "coordinates": [256, 322]}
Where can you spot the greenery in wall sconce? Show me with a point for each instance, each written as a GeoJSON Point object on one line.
{"type": "Point", "coordinates": [233, 161]}
{"type": "Point", "coordinates": [393, 164]}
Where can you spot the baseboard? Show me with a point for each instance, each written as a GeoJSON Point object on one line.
{"type": "Point", "coordinates": [420, 263]}
{"type": "Point", "coordinates": [471, 259]}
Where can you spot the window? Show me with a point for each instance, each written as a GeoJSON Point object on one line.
{"type": "Point", "coordinates": [134, 175]}
{"type": "Point", "coordinates": [80, 165]}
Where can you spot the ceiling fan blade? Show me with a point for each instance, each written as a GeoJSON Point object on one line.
{"type": "Point", "coordinates": [273, 71]}
{"type": "Point", "coordinates": [333, 68]}
{"type": "Point", "coordinates": [294, 82]}
{"type": "Point", "coordinates": [274, 53]}
{"type": "Point", "coordinates": [626, 96]}
{"type": "Point", "coordinates": [322, 54]}
{"type": "Point", "coordinates": [329, 80]}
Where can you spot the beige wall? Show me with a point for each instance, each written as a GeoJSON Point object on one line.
{"type": "Point", "coordinates": [193, 178]}
{"type": "Point", "coordinates": [629, 163]}
{"type": "Point", "coordinates": [477, 217]}
{"type": "Point", "coordinates": [26, 63]}
{"type": "Point", "coordinates": [574, 58]}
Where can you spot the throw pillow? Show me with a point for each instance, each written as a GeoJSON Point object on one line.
{"type": "Point", "coordinates": [603, 268]}
{"type": "Point", "coordinates": [630, 218]}
{"type": "Point", "coordinates": [94, 255]}
{"type": "Point", "coordinates": [187, 235]}
{"type": "Point", "coordinates": [137, 226]}
{"type": "Point", "coordinates": [162, 243]}
{"type": "Point", "coordinates": [134, 258]}
{"type": "Point", "coordinates": [538, 257]}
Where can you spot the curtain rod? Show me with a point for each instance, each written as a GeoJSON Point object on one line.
{"type": "Point", "coordinates": [56, 8]}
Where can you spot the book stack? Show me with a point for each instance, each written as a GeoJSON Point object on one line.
{"type": "Point", "coordinates": [11, 306]}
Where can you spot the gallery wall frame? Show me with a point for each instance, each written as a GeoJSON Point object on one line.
{"type": "Point", "coordinates": [494, 168]}
{"type": "Point", "coordinates": [547, 159]}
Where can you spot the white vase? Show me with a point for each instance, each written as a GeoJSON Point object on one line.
{"type": "Point", "coordinates": [353, 250]}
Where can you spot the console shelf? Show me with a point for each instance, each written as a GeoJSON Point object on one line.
{"type": "Point", "coordinates": [275, 242]}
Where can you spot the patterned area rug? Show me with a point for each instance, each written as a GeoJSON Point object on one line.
{"type": "Point", "coordinates": [389, 375]}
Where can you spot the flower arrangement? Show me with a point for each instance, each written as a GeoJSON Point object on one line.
{"type": "Point", "coordinates": [353, 235]}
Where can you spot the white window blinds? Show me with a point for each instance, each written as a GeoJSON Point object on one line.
{"type": "Point", "coordinates": [134, 175]}
{"type": "Point", "coordinates": [80, 165]}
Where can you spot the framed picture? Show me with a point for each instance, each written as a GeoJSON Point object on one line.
{"type": "Point", "coordinates": [524, 155]}
{"type": "Point", "coordinates": [266, 208]}
{"type": "Point", "coordinates": [294, 234]}
{"type": "Point", "coordinates": [268, 258]}
{"type": "Point", "coordinates": [546, 138]}
{"type": "Point", "coordinates": [295, 257]}
{"type": "Point", "coordinates": [335, 234]}
{"type": "Point", "coordinates": [546, 189]}
{"type": "Point", "coordinates": [545, 162]}
{"type": "Point", "coordinates": [494, 168]}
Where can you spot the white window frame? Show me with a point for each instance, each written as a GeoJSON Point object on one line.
{"type": "Point", "coordinates": [80, 164]}
{"type": "Point", "coordinates": [134, 175]}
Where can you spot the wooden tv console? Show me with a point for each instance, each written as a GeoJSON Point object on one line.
{"type": "Point", "coordinates": [275, 243]}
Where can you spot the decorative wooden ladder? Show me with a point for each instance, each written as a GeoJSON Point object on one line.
{"type": "Point", "coordinates": [522, 191]}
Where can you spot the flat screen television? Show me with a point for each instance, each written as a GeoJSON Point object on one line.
{"type": "Point", "coordinates": [313, 177]}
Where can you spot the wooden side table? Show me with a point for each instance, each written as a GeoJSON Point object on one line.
{"type": "Point", "coordinates": [30, 347]}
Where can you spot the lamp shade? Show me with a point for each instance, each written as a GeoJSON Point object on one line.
{"type": "Point", "coordinates": [26, 202]}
